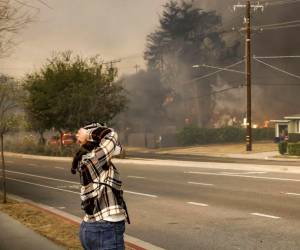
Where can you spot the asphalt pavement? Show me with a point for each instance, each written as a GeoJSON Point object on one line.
{"type": "Point", "coordinates": [184, 205]}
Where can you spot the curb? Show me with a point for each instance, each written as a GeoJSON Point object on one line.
{"type": "Point", "coordinates": [132, 242]}
{"type": "Point", "coordinates": [38, 157]}
{"type": "Point", "coordinates": [131, 156]}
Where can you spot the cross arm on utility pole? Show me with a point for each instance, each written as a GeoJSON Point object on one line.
{"type": "Point", "coordinates": [253, 6]}
{"type": "Point", "coordinates": [112, 62]}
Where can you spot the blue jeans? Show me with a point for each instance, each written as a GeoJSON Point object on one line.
{"type": "Point", "coordinates": [102, 235]}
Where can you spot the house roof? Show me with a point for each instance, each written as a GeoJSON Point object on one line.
{"type": "Point", "coordinates": [293, 117]}
{"type": "Point", "coordinates": [280, 121]}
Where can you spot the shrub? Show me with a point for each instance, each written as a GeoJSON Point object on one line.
{"type": "Point", "coordinates": [293, 137]}
{"type": "Point", "coordinates": [230, 134]}
{"type": "Point", "coordinates": [263, 133]}
{"type": "Point", "coordinates": [293, 149]}
{"type": "Point", "coordinates": [192, 135]}
{"type": "Point", "coordinates": [30, 147]}
{"type": "Point", "coordinates": [282, 147]}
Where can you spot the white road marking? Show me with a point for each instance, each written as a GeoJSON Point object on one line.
{"type": "Point", "coordinates": [148, 195]}
{"type": "Point", "coordinates": [295, 194]}
{"type": "Point", "coordinates": [42, 177]}
{"type": "Point", "coordinates": [265, 215]}
{"type": "Point", "coordinates": [72, 182]}
{"type": "Point", "coordinates": [32, 164]}
{"type": "Point", "coordinates": [244, 176]}
{"type": "Point", "coordinates": [136, 177]}
{"type": "Point", "coordinates": [77, 187]}
{"type": "Point", "coordinates": [198, 204]}
{"type": "Point", "coordinates": [9, 162]}
{"type": "Point", "coordinates": [40, 185]}
{"type": "Point", "coordinates": [61, 208]}
{"type": "Point", "coordinates": [59, 168]}
{"type": "Point", "coordinates": [200, 183]}
{"type": "Point", "coordinates": [258, 172]}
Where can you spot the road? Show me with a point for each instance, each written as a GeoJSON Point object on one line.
{"type": "Point", "coordinates": [184, 205]}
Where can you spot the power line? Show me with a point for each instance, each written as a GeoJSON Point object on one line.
{"type": "Point", "coordinates": [111, 62]}
{"type": "Point", "coordinates": [136, 55]}
{"type": "Point", "coordinates": [276, 68]}
{"type": "Point", "coordinates": [274, 57]}
{"type": "Point", "coordinates": [213, 73]}
{"type": "Point", "coordinates": [215, 67]}
{"type": "Point", "coordinates": [282, 27]}
{"type": "Point", "coordinates": [280, 2]}
{"type": "Point", "coordinates": [277, 84]}
{"type": "Point", "coordinates": [214, 93]}
{"type": "Point", "coordinates": [278, 24]}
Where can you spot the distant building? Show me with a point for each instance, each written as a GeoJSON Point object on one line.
{"type": "Point", "coordinates": [288, 125]}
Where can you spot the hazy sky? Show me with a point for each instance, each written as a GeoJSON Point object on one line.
{"type": "Point", "coordinates": [112, 28]}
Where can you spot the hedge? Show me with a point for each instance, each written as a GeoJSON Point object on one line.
{"type": "Point", "coordinates": [293, 137]}
{"type": "Point", "coordinates": [193, 135]}
{"type": "Point", "coordinates": [282, 147]}
{"type": "Point", "coordinates": [294, 149]}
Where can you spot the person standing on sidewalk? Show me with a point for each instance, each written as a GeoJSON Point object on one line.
{"type": "Point", "coordinates": [103, 225]}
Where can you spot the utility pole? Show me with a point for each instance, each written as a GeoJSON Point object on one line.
{"type": "Point", "coordinates": [162, 64]}
{"type": "Point", "coordinates": [248, 57]}
{"type": "Point", "coordinates": [111, 63]}
{"type": "Point", "coordinates": [111, 67]}
{"type": "Point", "coordinates": [136, 68]}
{"type": "Point", "coordinates": [248, 76]}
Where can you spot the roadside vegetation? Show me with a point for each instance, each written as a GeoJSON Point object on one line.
{"type": "Point", "coordinates": [45, 223]}
{"type": "Point", "coordinates": [290, 146]}
{"type": "Point", "coordinates": [69, 91]}
{"type": "Point", "coordinates": [193, 135]}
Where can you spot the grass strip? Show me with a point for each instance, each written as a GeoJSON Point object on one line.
{"type": "Point", "coordinates": [57, 229]}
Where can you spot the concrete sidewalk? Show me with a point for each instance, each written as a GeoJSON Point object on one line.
{"type": "Point", "coordinates": [185, 154]}
{"type": "Point", "coordinates": [15, 235]}
{"type": "Point", "coordinates": [131, 243]}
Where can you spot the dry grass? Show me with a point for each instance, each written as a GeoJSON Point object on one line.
{"type": "Point", "coordinates": [230, 148]}
{"type": "Point", "coordinates": [55, 228]}
{"type": "Point", "coordinates": [238, 148]}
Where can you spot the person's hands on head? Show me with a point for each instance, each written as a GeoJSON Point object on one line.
{"type": "Point", "coordinates": [73, 171]}
{"type": "Point", "coordinates": [82, 136]}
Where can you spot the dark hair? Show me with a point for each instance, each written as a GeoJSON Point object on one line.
{"type": "Point", "coordinates": [89, 125]}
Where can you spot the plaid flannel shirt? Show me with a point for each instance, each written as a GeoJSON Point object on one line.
{"type": "Point", "coordinates": [101, 186]}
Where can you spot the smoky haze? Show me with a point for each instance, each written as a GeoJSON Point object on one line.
{"type": "Point", "coordinates": [118, 29]}
{"type": "Point", "coordinates": [111, 28]}
{"type": "Point", "coordinates": [275, 94]}
{"type": "Point", "coordinates": [281, 96]}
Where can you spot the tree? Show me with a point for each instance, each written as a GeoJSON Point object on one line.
{"type": "Point", "coordinates": [70, 90]}
{"type": "Point", "coordinates": [186, 36]}
{"type": "Point", "coordinates": [14, 17]}
{"type": "Point", "coordinates": [9, 98]}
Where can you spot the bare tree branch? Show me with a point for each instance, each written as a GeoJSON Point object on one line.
{"type": "Point", "coordinates": [44, 3]}
{"type": "Point", "coordinates": [14, 17]}
{"type": "Point", "coordinates": [27, 5]}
